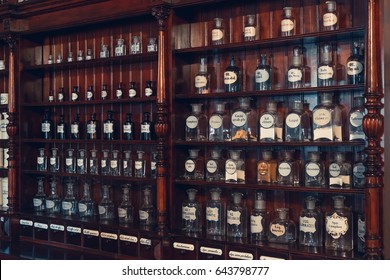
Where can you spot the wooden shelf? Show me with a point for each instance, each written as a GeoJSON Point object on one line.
{"type": "Point", "coordinates": [182, 143]}
{"type": "Point", "coordinates": [86, 141]}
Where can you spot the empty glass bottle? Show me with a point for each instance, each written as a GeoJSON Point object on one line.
{"type": "Point", "coordinates": [298, 124]}
{"type": "Point", "coordinates": [215, 166]}
{"type": "Point", "coordinates": [93, 163]}
{"type": "Point", "coordinates": [202, 78]}
{"type": "Point", "coordinates": [47, 128]}
{"type": "Point", "coordinates": [266, 168]}
{"type": "Point", "coordinates": [325, 125]}
{"type": "Point", "coordinates": [340, 172]}
{"type": "Point", "coordinates": [288, 169]}
{"type": "Point", "coordinates": [217, 33]}
{"type": "Point", "coordinates": [81, 162]}
{"type": "Point", "coordinates": [287, 25]}
{"type": "Point", "coordinates": [41, 160]}
{"type": "Point", "coordinates": [126, 208]}
{"type": "Point", "coordinates": [355, 66]}
{"type": "Point", "coordinates": [282, 229]}
{"type": "Point", "coordinates": [219, 124]}
{"type": "Point", "coordinates": [263, 74]}
{"type": "Point", "coordinates": [86, 206]}
{"type": "Point", "coordinates": [127, 164]}
{"type": "Point", "coordinates": [191, 213]}
{"type": "Point", "coordinates": [115, 164]}
{"type": "Point", "coordinates": [215, 214]}
{"type": "Point", "coordinates": [147, 128]}
{"type": "Point", "coordinates": [61, 128]}
{"type": "Point", "coordinates": [232, 77]}
{"type": "Point", "coordinates": [105, 163]}
{"type": "Point", "coordinates": [235, 167]}
{"type": "Point", "coordinates": [259, 218]}
{"type": "Point", "coordinates": [106, 206]}
{"type": "Point", "coordinates": [120, 48]}
{"type": "Point", "coordinates": [250, 28]}
{"type": "Point", "coordinates": [315, 171]}
{"type": "Point", "coordinates": [153, 164]}
{"type": "Point", "coordinates": [92, 128]}
{"type": "Point", "coordinates": [140, 165]}
{"type": "Point", "coordinates": [54, 161]}
{"type": "Point", "coordinates": [128, 128]}
{"type": "Point", "coordinates": [271, 123]}
{"type": "Point", "coordinates": [69, 203]}
{"type": "Point", "coordinates": [237, 217]}
{"type": "Point", "coordinates": [356, 116]}
{"type": "Point", "coordinates": [53, 201]}
{"type": "Point", "coordinates": [70, 161]}
{"type": "Point", "coordinates": [310, 224]}
{"type": "Point", "coordinates": [330, 16]}
{"type": "Point", "coordinates": [147, 211]}
{"type": "Point", "coordinates": [359, 179]}
{"type": "Point", "coordinates": [194, 166]}
{"type": "Point", "coordinates": [295, 73]}
{"type": "Point", "coordinates": [244, 122]}
{"type": "Point", "coordinates": [196, 124]}
{"type": "Point", "coordinates": [326, 69]}
{"type": "Point", "coordinates": [109, 127]}
{"type": "Point", "coordinates": [39, 200]}
{"type": "Point", "coordinates": [75, 132]}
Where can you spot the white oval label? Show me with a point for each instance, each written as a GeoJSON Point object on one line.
{"type": "Point", "coordinates": [229, 77]}
{"type": "Point", "coordinates": [312, 169]}
{"type": "Point", "coordinates": [239, 119]}
{"type": "Point", "coordinates": [284, 169]}
{"type": "Point", "coordinates": [192, 122]}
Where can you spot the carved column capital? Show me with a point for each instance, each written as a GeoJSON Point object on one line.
{"type": "Point", "coordinates": [161, 13]}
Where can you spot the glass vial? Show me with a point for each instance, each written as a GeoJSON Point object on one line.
{"type": "Point", "coordinates": [105, 163]}
{"type": "Point", "coordinates": [315, 171]}
{"type": "Point", "coordinates": [86, 205]}
{"type": "Point", "coordinates": [104, 52]}
{"type": "Point", "coordinates": [288, 169]}
{"type": "Point", "coordinates": [41, 160]}
{"type": "Point", "coordinates": [128, 128]}
{"type": "Point", "coordinates": [127, 164]}
{"type": "Point", "coordinates": [219, 124]}
{"type": "Point", "coordinates": [115, 164]}
{"type": "Point", "coordinates": [140, 165]}
{"type": "Point", "coordinates": [359, 179]}
{"type": "Point", "coordinates": [39, 200]}
{"type": "Point", "coordinates": [259, 219]}
{"type": "Point", "coordinates": [232, 77]}
{"type": "Point", "coordinates": [330, 17]}
{"type": "Point", "coordinates": [250, 28]}
{"type": "Point", "coordinates": [70, 161]}
{"type": "Point", "coordinates": [237, 217]}
{"type": "Point", "coordinates": [295, 73]}
{"type": "Point", "coordinates": [326, 125]}
{"type": "Point", "coordinates": [202, 78]}
{"type": "Point", "coordinates": [147, 128]}
{"type": "Point", "coordinates": [235, 167]}
{"type": "Point", "coordinates": [271, 123]}
{"type": "Point", "coordinates": [282, 229]}
{"type": "Point", "coordinates": [54, 160]}
{"type": "Point", "coordinates": [147, 211]}
{"type": "Point", "coordinates": [132, 90]}
{"type": "Point", "coordinates": [191, 213]}
{"type": "Point", "coordinates": [217, 33]}
{"type": "Point", "coordinates": [356, 116]}
{"type": "Point", "coordinates": [69, 203]}
{"type": "Point", "coordinates": [81, 162]}
{"type": "Point", "coordinates": [53, 201]}
{"type": "Point", "coordinates": [215, 166]}
{"type": "Point", "coordinates": [194, 166]}
{"type": "Point", "coordinates": [287, 25]}
{"type": "Point", "coordinates": [126, 208]}
{"type": "Point", "coordinates": [310, 224]}
{"type": "Point", "coordinates": [326, 69]}
{"type": "Point", "coordinates": [355, 66]}
{"type": "Point", "coordinates": [136, 45]}
{"type": "Point", "coordinates": [120, 48]}
{"type": "Point", "coordinates": [106, 206]}
{"type": "Point", "coordinates": [263, 74]}
{"type": "Point", "coordinates": [61, 128]}
{"type": "Point", "coordinates": [244, 122]}
{"type": "Point", "coordinates": [92, 128]}
{"type": "Point", "coordinates": [109, 127]}
{"type": "Point", "coordinates": [215, 214]}
{"type": "Point", "coordinates": [340, 172]}
{"type": "Point", "coordinates": [298, 125]}
{"type": "Point", "coordinates": [70, 56]}
{"type": "Point", "coordinates": [93, 163]}
{"type": "Point", "coordinates": [75, 127]}
{"type": "Point", "coordinates": [47, 128]}
{"type": "Point", "coordinates": [266, 168]}
{"type": "Point", "coordinates": [196, 124]}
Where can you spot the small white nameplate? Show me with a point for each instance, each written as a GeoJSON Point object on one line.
{"type": "Point", "coordinates": [240, 255]}
{"type": "Point", "coordinates": [109, 235]}
{"type": "Point", "coordinates": [26, 223]}
{"type": "Point", "coordinates": [267, 258]}
{"type": "Point", "coordinates": [183, 246]}
{"type": "Point", "coordinates": [73, 229]}
{"type": "Point", "coordinates": [128, 238]}
{"type": "Point", "coordinates": [211, 251]}
{"type": "Point", "coordinates": [145, 241]}
{"type": "Point", "coordinates": [91, 232]}
{"type": "Point", "coordinates": [40, 225]}
{"type": "Point", "coordinates": [57, 227]}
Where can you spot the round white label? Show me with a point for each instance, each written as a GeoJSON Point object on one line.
{"type": "Point", "coordinates": [60, 97]}
{"type": "Point", "coordinates": [334, 170]}
{"type": "Point", "coordinates": [249, 31]}
{"type": "Point", "coordinates": [356, 119]}
{"type": "Point", "coordinates": [143, 215]}
{"type": "Point", "coordinates": [230, 167]}
{"type": "Point", "coordinates": [312, 169]}
{"type": "Point", "coordinates": [216, 34]}
{"type": "Point", "coordinates": [354, 68]}
{"type": "Point", "coordinates": [192, 122]}
{"type": "Point", "coordinates": [325, 72]}
{"type": "Point", "coordinates": [321, 117]}
{"type": "Point", "coordinates": [261, 76]}
{"type": "Point", "coordinates": [49, 204]}
{"type": "Point", "coordinates": [74, 96]}
{"type": "Point", "coordinates": [66, 205]}
{"type": "Point", "coordinates": [211, 166]}
{"type": "Point", "coordinates": [200, 81]}
{"type": "Point", "coordinates": [329, 19]}
{"type": "Point", "coordinates": [294, 75]}
{"type": "Point", "coordinates": [119, 93]}
{"type": "Point", "coordinates": [189, 165]}
{"type": "Point", "coordinates": [89, 94]}
{"type": "Point", "coordinates": [215, 122]}
{"type": "Point", "coordinates": [358, 171]}
{"type": "Point", "coordinates": [104, 94]}
{"type": "Point", "coordinates": [239, 119]}
{"type": "Point", "coordinates": [122, 213]}
{"type": "Point", "coordinates": [82, 207]}
{"type": "Point", "coordinates": [267, 121]}
{"type": "Point", "coordinates": [148, 91]}
{"type": "Point", "coordinates": [293, 120]}
{"type": "Point", "coordinates": [101, 210]}
{"type": "Point", "coordinates": [132, 92]}
{"type": "Point", "coordinates": [37, 202]}
{"type": "Point", "coordinates": [284, 169]}
{"type": "Point", "coordinates": [287, 25]}
{"type": "Point", "coordinates": [229, 77]}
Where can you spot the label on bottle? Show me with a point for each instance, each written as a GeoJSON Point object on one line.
{"type": "Point", "coordinates": [211, 166]}
{"type": "Point", "coordinates": [26, 223]}
{"type": "Point", "coordinates": [188, 213]}
{"type": "Point", "coordinates": [145, 241]}
{"type": "Point", "coordinates": [249, 31]}
{"type": "Point", "coordinates": [119, 50]}
{"type": "Point", "coordinates": [51, 98]}
{"type": "Point", "coordinates": [114, 164]}
{"type": "Point", "coordinates": [89, 94]}
{"type": "Point", "coordinates": [151, 48]}
{"type": "Point", "coordinates": [104, 94]}
{"type": "Point", "coordinates": [75, 96]}
{"type": "Point", "coordinates": [153, 165]}
{"type": "Point", "coordinates": [135, 48]}
{"type": "Point", "coordinates": [294, 75]}
{"type": "Point", "coordinates": [80, 162]}
{"type": "Point", "coordinates": [82, 207]}
{"type": "Point", "coordinates": [356, 119]}
{"type": "Point", "coordinates": [108, 128]}
{"type": "Point", "coordinates": [53, 161]}
{"type": "Point", "coordinates": [346, 179]}
{"type": "Point", "coordinates": [329, 19]}
{"type": "Point", "coordinates": [37, 202]}
{"type": "Point", "coordinates": [233, 217]}
{"type": "Point", "coordinates": [69, 161]}
{"type": "Point", "coordinates": [40, 160]}
{"type": "Point", "coordinates": [284, 169]}
{"type": "Point", "coordinates": [354, 68]}
{"type": "Point", "coordinates": [336, 225]}
{"type": "Point", "coordinates": [287, 25]}
{"type": "Point", "coordinates": [240, 255]}
{"type": "Point", "coordinates": [293, 120]}
{"type": "Point", "coordinates": [307, 224]}
{"type": "Point", "coordinates": [200, 81]}
{"type": "Point", "coordinates": [45, 127]}
{"type": "Point", "coordinates": [210, 251]}
{"type": "Point", "coordinates": [192, 122]}
{"type": "Point", "coordinates": [138, 164]}
{"type": "Point", "coordinates": [122, 213]}
{"type": "Point", "coordinates": [267, 127]}
{"type": "Point", "coordinates": [277, 230]}
{"type": "Point", "coordinates": [74, 128]}
{"type": "Point", "coordinates": [57, 227]}
{"type": "Point", "coordinates": [321, 117]}
{"type": "Point", "coordinates": [49, 204]}
{"type": "Point", "coordinates": [145, 128]}
{"type": "Point", "coordinates": [358, 171]}
{"type": "Point", "coordinates": [256, 224]}
{"type": "Point", "coordinates": [313, 169]}
{"type": "Point", "coordinates": [41, 225]}
{"type": "Point", "coordinates": [229, 77]}
{"type": "Point", "coordinates": [334, 169]}
{"type": "Point", "coordinates": [183, 246]}
{"type": "Point", "coordinates": [189, 165]}
{"type": "Point", "coordinates": [239, 119]}
{"type": "Point", "coordinates": [143, 215]}
{"type": "Point", "coordinates": [325, 72]}
{"type": "Point", "coordinates": [91, 128]}
{"type": "Point", "coordinates": [132, 92]}
{"type": "Point", "coordinates": [119, 93]}
{"type": "Point", "coordinates": [102, 210]}
{"type": "Point", "coordinates": [261, 76]}
{"type": "Point", "coordinates": [103, 54]}
{"type": "Point", "coordinates": [91, 232]}
{"type": "Point", "coordinates": [230, 167]}
{"type": "Point", "coordinates": [128, 238]}
{"type": "Point", "coordinates": [66, 205]}
{"type": "Point", "coordinates": [361, 230]}
{"type": "Point", "coordinates": [148, 92]}
{"type": "Point", "coordinates": [125, 164]}
{"type": "Point", "coordinates": [216, 34]}
{"type": "Point", "coordinates": [107, 235]}
{"type": "Point", "coordinates": [212, 214]}
{"type": "Point", "coordinates": [60, 128]}
{"type": "Point", "coordinates": [215, 122]}
{"type": "Point", "coordinates": [103, 163]}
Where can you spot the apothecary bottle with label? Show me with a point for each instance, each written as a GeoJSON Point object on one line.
{"type": "Point", "coordinates": [215, 214]}
{"type": "Point", "coordinates": [288, 172]}
{"type": "Point", "coordinates": [75, 95]}
{"type": "Point", "coordinates": [259, 218]}
{"type": "Point", "coordinates": [244, 122]}
{"type": "Point", "coordinates": [219, 124]}
{"type": "Point", "coordinates": [324, 123]}
{"type": "Point", "coordinates": [147, 128]}
{"type": "Point", "coordinates": [152, 45]}
{"type": "Point", "coordinates": [69, 203]}
{"type": "Point", "coordinates": [215, 166]}
{"type": "Point", "coordinates": [132, 90]}
{"type": "Point", "coordinates": [70, 161]}
{"type": "Point", "coordinates": [153, 164]}
{"type": "Point", "coordinates": [298, 124]}
{"type": "Point", "coordinates": [148, 88]}
{"type": "Point", "coordinates": [295, 73]}
{"type": "Point", "coordinates": [202, 78]}
{"type": "Point", "coordinates": [54, 160]}
{"type": "Point", "coordinates": [359, 179]}
{"type": "Point", "coordinates": [237, 217]}
{"type": "Point", "coordinates": [89, 54]}
{"type": "Point", "coordinates": [310, 224]}
{"type": "Point", "coordinates": [41, 160]}
{"type": "Point", "coordinates": [266, 168]}
{"type": "Point", "coordinates": [61, 95]}
{"type": "Point", "coordinates": [104, 92]}
{"type": "Point", "coordinates": [75, 127]}
{"type": "Point", "coordinates": [106, 206]}
{"type": "Point", "coordinates": [360, 224]}
{"type": "Point", "coordinates": [126, 208]}
{"type": "Point", "coordinates": [53, 201]}
{"type": "Point", "coordinates": [140, 165]}
{"type": "Point", "coordinates": [194, 166]}
{"type": "Point", "coordinates": [250, 28]}
{"type": "Point", "coordinates": [86, 206]}
{"type": "Point", "coordinates": [109, 127]}
{"type": "Point", "coordinates": [93, 163]}
{"type": "Point", "coordinates": [80, 55]}
{"type": "Point", "coordinates": [51, 95]}
{"type": "Point", "coordinates": [47, 128]}
{"type": "Point", "coordinates": [191, 213]}
{"type": "Point", "coordinates": [89, 94]}
{"type": "Point", "coordinates": [232, 77]}
{"type": "Point", "coordinates": [70, 56]}
{"type": "Point", "coordinates": [92, 128]}
{"type": "Point", "coordinates": [326, 68]}
{"type": "Point", "coordinates": [340, 172]}
{"type": "Point", "coordinates": [105, 163]}
{"type": "Point", "coordinates": [120, 48]}
{"type": "Point", "coordinates": [217, 32]}
{"type": "Point", "coordinates": [355, 66]}
{"type": "Point", "coordinates": [263, 74]}
{"type": "Point", "coordinates": [338, 227]}
{"type": "Point", "coordinates": [196, 124]}
{"type": "Point", "coordinates": [119, 91]}
{"type": "Point", "coordinates": [235, 167]}
{"type": "Point", "coordinates": [330, 20]}
{"type": "Point", "coordinates": [356, 116]}
{"type": "Point", "coordinates": [81, 162]}
{"type": "Point", "coordinates": [115, 163]}
{"type": "Point", "coordinates": [39, 200]}
{"type": "Point", "coordinates": [282, 229]}
{"type": "Point", "coordinates": [147, 211]}
{"type": "Point", "coordinates": [127, 164]}
{"type": "Point", "coordinates": [287, 25]}
{"type": "Point", "coordinates": [136, 45]}
{"type": "Point", "coordinates": [104, 52]}
{"type": "Point", "coordinates": [315, 171]}
{"type": "Point", "coordinates": [271, 123]}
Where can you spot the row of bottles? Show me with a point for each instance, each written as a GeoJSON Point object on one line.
{"type": "Point", "coordinates": [235, 221]}
{"type": "Point", "coordinates": [110, 162]}
{"type": "Point", "coordinates": [120, 49]}
{"type": "Point", "coordinates": [85, 207]}
{"type": "Point", "coordinates": [130, 130]}
{"type": "Point", "coordinates": [335, 173]}
{"type": "Point", "coordinates": [90, 94]}
{"type": "Point", "coordinates": [325, 123]}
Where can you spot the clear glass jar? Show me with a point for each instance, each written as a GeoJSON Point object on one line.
{"type": "Point", "coordinates": [120, 48]}
{"type": "Point", "coordinates": [310, 224]}
{"type": "Point", "coordinates": [217, 33]}
{"type": "Point", "coordinates": [263, 74]}
{"type": "Point", "coordinates": [93, 163]}
{"type": "Point", "coordinates": [140, 165]}
{"type": "Point", "coordinates": [39, 200]}
{"type": "Point", "coordinates": [219, 124]}
{"type": "Point", "coordinates": [147, 211]}
{"type": "Point", "coordinates": [152, 44]}
{"type": "Point", "coordinates": [287, 25]}
{"type": "Point", "coordinates": [196, 124]}
{"type": "Point", "coordinates": [70, 161]}
{"type": "Point", "coordinates": [194, 166]}
{"type": "Point", "coordinates": [215, 214]}
{"type": "Point", "coordinates": [330, 19]}
{"type": "Point", "coordinates": [271, 123]}
{"type": "Point", "coordinates": [202, 78]}
{"type": "Point", "coordinates": [250, 28]}
{"type": "Point", "coordinates": [126, 208]}
{"type": "Point", "coordinates": [54, 161]}
{"type": "Point", "coordinates": [326, 69]}
{"type": "Point", "coordinates": [53, 201]}
{"type": "Point", "coordinates": [288, 169]}
{"type": "Point", "coordinates": [191, 213]}
{"type": "Point", "coordinates": [105, 163]}
{"type": "Point", "coordinates": [115, 164]}
{"type": "Point", "coordinates": [86, 206]}
{"type": "Point", "coordinates": [41, 160]}
{"type": "Point", "coordinates": [215, 166]}
{"type": "Point", "coordinates": [244, 122]}
{"type": "Point", "coordinates": [326, 126]}
{"type": "Point", "coordinates": [266, 168]}
{"type": "Point", "coordinates": [282, 229]}
{"type": "Point", "coordinates": [136, 45]}
{"type": "Point", "coordinates": [106, 206]}
{"type": "Point", "coordinates": [69, 203]}
{"type": "Point", "coordinates": [259, 218]}
{"type": "Point", "coordinates": [81, 162]}
{"type": "Point", "coordinates": [235, 167]}
{"type": "Point", "coordinates": [356, 116]}
{"type": "Point", "coordinates": [298, 125]}
{"type": "Point", "coordinates": [104, 52]}
{"type": "Point", "coordinates": [59, 58]}
{"type": "Point", "coordinates": [237, 217]}
{"type": "Point", "coordinates": [127, 164]}
{"type": "Point", "coordinates": [359, 179]}
{"type": "Point", "coordinates": [340, 172]}
{"type": "Point", "coordinates": [315, 171]}
{"type": "Point", "coordinates": [295, 73]}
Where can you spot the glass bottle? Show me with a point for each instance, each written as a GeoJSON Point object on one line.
{"type": "Point", "coordinates": [147, 211]}
{"type": "Point", "coordinates": [132, 90]}
{"type": "Point", "coordinates": [147, 127]}
{"type": "Point", "coordinates": [232, 77]}
{"type": "Point", "coordinates": [237, 217]}
{"type": "Point", "coordinates": [330, 17]}
{"type": "Point", "coordinates": [148, 88]}
{"type": "Point", "coordinates": [39, 200]}
{"type": "Point", "coordinates": [324, 119]}
{"type": "Point", "coordinates": [120, 48]}
{"type": "Point", "coordinates": [53, 201]}
{"type": "Point", "coordinates": [126, 208]}
{"type": "Point", "coordinates": [41, 160]}
{"type": "Point", "coordinates": [153, 164]}
{"type": "Point", "coordinates": [338, 227]}
{"type": "Point", "coordinates": [196, 124]}
{"type": "Point", "coordinates": [355, 66]}
{"type": "Point", "coordinates": [81, 162]}
{"type": "Point", "coordinates": [61, 128]}
{"type": "Point", "coordinates": [93, 163]}
{"type": "Point", "coordinates": [70, 161]}
{"type": "Point", "coordinates": [109, 127]}
{"type": "Point", "coordinates": [266, 168]}
{"type": "Point", "coordinates": [140, 165]}
{"type": "Point", "coordinates": [128, 128]}
{"type": "Point", "coordinates": [326, 71]}
{"type": "Point", "coordinates": [259, 218]}
{"type": "Point", "coordinates": [69, 203]}
{"type": "Point", "coordinates": [194, 166]}
{"type": "Point", "coordinates": [105, 163]}
{"type": "Point", "coordinates": [47, 126]}
{"type": "Point", "coordinates": [340, 172]}
{"type": "Point", "coordinates": [104, 52]}
{"type": "Point", "coordinates": [191, 213]}
{"type": "Point", "coordinates": [152, 45]}
{"type": "Point", "coordinates": [263, 74]}
{"type": "Point", "coordinates": [92, 128]}
{"type": "Point", "coordinates": [288, 169]}
{"type": "Point", "coordinates": [235, 167]}
{"type": "Point", "coordinates": [219, 124]}
{"type": "Point", "coordinates": [59, 58]}
{"type": "Point", "coordinates": [61, 94]}
{"type": "Point", "coordinates": [74, 96]}
{"type": "Point", "coordinates": [106, 206]}
{"type": "Point", "coordinates": [215, 214]}
{"type": "Point", "coordinates": [51, 95]}
{"type": "Point", "coordinates": [298, 124]}
{"type": "Point", "coordinates": [360, 225]}
{"type": "Point", "coordinates": [89, 93]}
{"type": "Point", "coordinates": [282, 229]}
{"type": "Point", "coordinates": [215, 166]}
{"type": "Point", "coordinates": [310, 224]}
{"type": "Point", "coordinates": [54, 160]}
{"type": "Point", "coordinates": [86, 205]}
{"type": "Point", "coordinates": [359, 179]}
{"type": "Point", "coordinates": [70, 56]}
{"type": "Point", "coordinates": [50, 59]}
{"type": "Point", "coordinates": [315, 171]}
{"type": "Point", "coordinates": [271, 123]}
{"type": "Point", "coordinates": [287, 25]}
{"type": "Point", "coordinates": [295, 73]}
{"type": "Point", "coordinates": [127, 164]}
{"type": "Point", "coordinates": [75, 127]}
{"type": "Point", "coordinates": [202, 78]}
{"type": "Point", "coordinates": [250, 28]}
{"type": "Point", "coordinates": [89, 54]}
{"type": "Point", "coordinates": [115, 164]}
{"type": "Point", "coordinates": [135, 45]}
{"type": "Point", "coordinates": [119, 91]}
{"type": "Point", "coordinates": [217, 33]}
{"type": "Point", "coordinates": [104, 92]}
{"type": "Point", "coordinates": [244, 121]}
{"type": "Point", "coordinates": [356, 116]}
{"type": "Point", "coordinates": [80, 55]}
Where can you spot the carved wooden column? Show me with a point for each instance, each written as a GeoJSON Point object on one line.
{"type": "Point", "coordinates": [373, 125]}
{"type": "Point", "coordinates": [161, 127]}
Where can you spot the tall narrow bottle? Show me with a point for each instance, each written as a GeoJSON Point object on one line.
{"type": "Point", "coordinates": [41, 160]}
{"type": "Point", "coordinates": [217, 33]}
{"type": "Point", "coordinates": [359, 178]}
{"type": "Point", "coordinates": [92, 128]}
{"type": "Point", "coordinates": [39, 200]}
{"type": "Point", "coordinates": [105, 163]}
{"type": "Point", "coordinates": [106, 206]}
{"type": "Point", "coordinates": [263, 74]}
{"type": "Point", "coordinates": [140, 165]}
{"type": "Point", "coordinates": [219, 124]}
{"type": "Point", "coordinates": [295, 73]}
{"type": "Point", "coordinates": [232, 77]}
{"type": "Point", "coordinates": [244, 122]}
{"type": "Point", "coordinates": [61, 128]}
{"type": "Point", "coordinates": [93, 163]}
{"type": "Point", "coordinates": [109, 127]}
{"type": "Point", "coordinates": [74, 96]}
{"type": "Point", "coordinates": [75, 132]}
{"type": "Point", "coordinates": [356, 116]}
{"type": "Point", "coordinates": [191, 213]}
{"type": "Point", "coordinates": [355, 66]}
{"type": "Point", "coordinates": [271, 123]}
{"type": "Point", "coordinates": [250, 28]}
{"type": "Point", "coordinates": [69, 203]}
{"type": "Point", "coordinates": [126, 208]}
{"type": "Point", "coordinates": [54, 160]}
{"type": "Point", "coordinates": [81, 162]}
{"type": "Point", "coordinates": [115, 163]}
{"type": "Point", "coordinates": [215, 214]}
{"type": "Point", "coordinates": [70, 161]}
{"type": "Point", "coordinates": [282, 229]}
{"type": "Point", "coordinates": [237, 217]}
{"type": "Point", "coordinates": [259, 219]}
{"type": "Point", "coordinates": [53, 201]}
{"type": "Point", "coordinates": [89, 93]}
{"type": "Point", "coordinates": [127, 164]}
{"type": "Point", "coordinates": [196, 124]}
{"type": "Point", "coordinates": [147, 211]}
{"type": "Point", "coordinates": [153, 164]}
{"type": "Point", "coordinates": [310, 224]}
{"type": "Point", "coordinates": [47, 128]}
{"type": "Point", "coordinates": [86, 206]}
{"type": "Point", "coordinates": [128, 128]}
{"type": "Point", "coordinates": [147, 128]}
{"type": "Point", "coordinates": [326, 68]}
{"type": "Point", "coordinates": [287, 25]}
{"type": "Point", "coordinates": [330, 19]}
{"type": "Point", "coordinates": [202, 78]}
{"type": "Point", "coordinates": [298, 124]}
